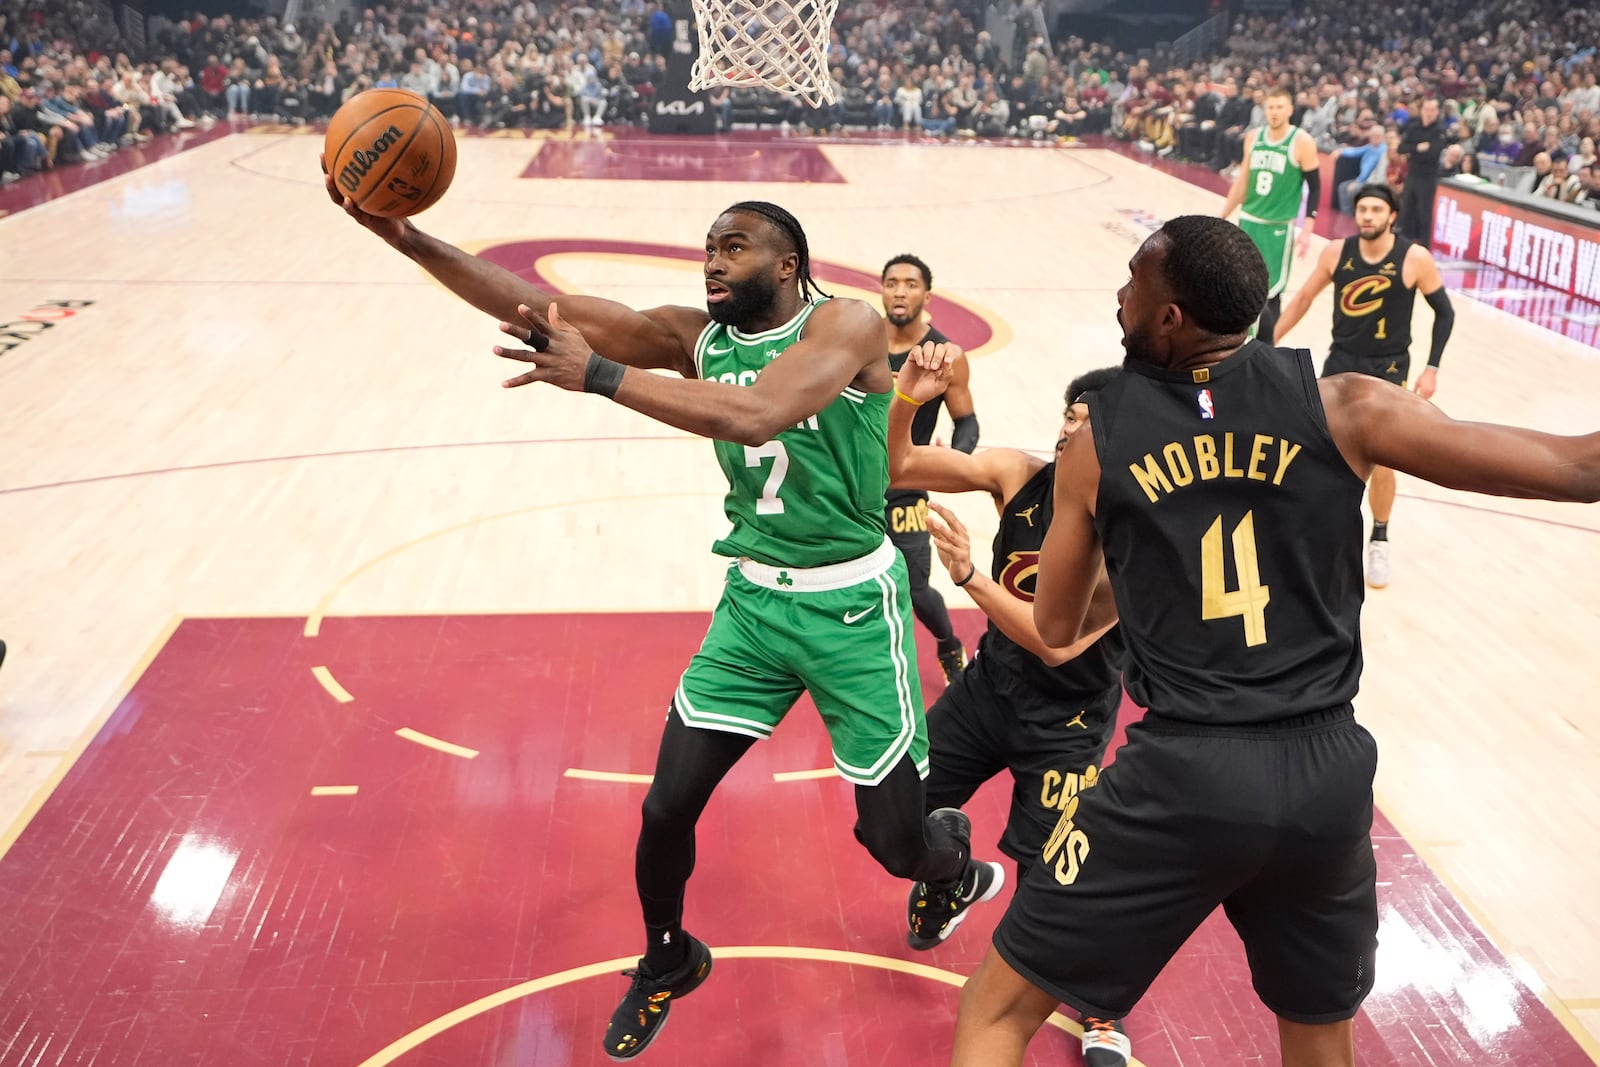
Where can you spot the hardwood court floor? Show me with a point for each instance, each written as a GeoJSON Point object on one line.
{"type": "Point", "coordinates": [258, 415]}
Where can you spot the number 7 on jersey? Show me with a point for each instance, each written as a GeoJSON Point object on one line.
{"type": "Point", "coordinates": [769, 503]}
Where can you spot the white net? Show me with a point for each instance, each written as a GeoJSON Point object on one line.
{"type": "Point", "coordinates": [772, 44]}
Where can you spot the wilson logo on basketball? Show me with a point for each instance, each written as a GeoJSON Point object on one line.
{"type": "Point", "coordinates": [362, 161]}
{"type": "Point", "coordinates": [1364, 295]}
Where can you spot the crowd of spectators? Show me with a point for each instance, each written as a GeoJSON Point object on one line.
{"type": "Point", "coordinates": [1516, 85]}
{"type": "Point", "coordinates": [1517, 78]}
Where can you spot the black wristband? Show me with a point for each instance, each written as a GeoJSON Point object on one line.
{"type": "Point", "coordinates": [603, 376]}
{"type": "Point", "coordinates": [969, 576]}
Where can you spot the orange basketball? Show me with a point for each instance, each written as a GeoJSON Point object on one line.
{"type": "Point", "coordinates": [390, 151]}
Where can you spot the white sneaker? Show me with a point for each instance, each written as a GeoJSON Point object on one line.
{"type": "Point", "coordinates": [1377, 564]}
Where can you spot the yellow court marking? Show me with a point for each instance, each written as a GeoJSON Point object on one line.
{"type": "Point", "coordinates": [446, 747]}
{"type": "Point", "coordinates": [313, 625]}
{"type": "Point", "coordinates": [25, 816]}
{"type": "Point", "coordinates": [334, 790]}
{"type": "Point", "coordinates": [472, 1010]}
{"type": "Point", "coordinates": [608, 776]}
{"type": "Point", "coordinates": [331, 684]}
{"type": "Point", "coordinates": [1560, 1008]}
{"type": "Point", "coordinates": [805, 776]}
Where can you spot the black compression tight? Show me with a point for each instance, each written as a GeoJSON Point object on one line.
{"type": "Point", "coordinates": [890, 820]}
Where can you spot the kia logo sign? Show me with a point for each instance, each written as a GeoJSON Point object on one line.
{"type": "Point", "coordinates": [680, 107]}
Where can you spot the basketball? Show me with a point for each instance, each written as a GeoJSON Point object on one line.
{"type": "Point", "coordinates": [390, 151]}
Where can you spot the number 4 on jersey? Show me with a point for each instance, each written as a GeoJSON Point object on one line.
{"type": "Point", "coordinates": [1249, 601]}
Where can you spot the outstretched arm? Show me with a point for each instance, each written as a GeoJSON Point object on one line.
{"type": "Point", "coordinates": [1000, 472]}
{"type": "Point", "coordinates": [659, 339]}
{"type": "Point", "coordinates": [842, 339]}
{"type": "Point", "coordinates": [1376, 423]}
{"type": "Point", "coordinates": [1295, 310]}
{"type": "Point", "coordinates": [1004, 608]}
{"type": "Point", "coordinates": [1071, 561]}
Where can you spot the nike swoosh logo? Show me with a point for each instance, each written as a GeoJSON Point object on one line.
{"type": "Point", "coordinates": [713, 350]}
{"type": "Point", "coordinates": [857, 616]}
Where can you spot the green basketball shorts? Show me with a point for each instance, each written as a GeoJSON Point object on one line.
{"type": "Point", "coordinates": [841, 633]}
{"type": "Point", "coordinates": [1275, 240]}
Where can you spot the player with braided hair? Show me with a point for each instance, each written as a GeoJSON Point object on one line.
{"type": "Point", "coordinates": [793, 387]}
{"type": "Point", "coordinates": [809, 289]}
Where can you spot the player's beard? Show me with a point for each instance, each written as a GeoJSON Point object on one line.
{"type": "Point", "coordinates": [900, 321]}
{"type": "Point", "coordinates": [748, 302]}
{"type": "Point", "coordinates": [1140, 345]}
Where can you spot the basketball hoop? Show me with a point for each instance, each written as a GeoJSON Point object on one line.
{"type": "Point", "coordinates": [765, 44]}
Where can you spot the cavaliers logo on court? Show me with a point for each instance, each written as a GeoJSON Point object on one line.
{"type": "Point", "coordinates": [547, 263]}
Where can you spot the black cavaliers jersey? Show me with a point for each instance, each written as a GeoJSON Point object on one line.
{"type": "Point", "coordinates": [1232, 533]}
{"type": "Point", "coordinates": [1372, 303]}
{"type": "Point", "coordinates": [907, 510]}
{"type": "Point", "coordinates": [1016, 564]}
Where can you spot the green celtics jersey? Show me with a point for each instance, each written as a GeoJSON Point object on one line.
{"type": "Point", "coordinates": [1274, 183]}
{"type": "Point", "coordinates": [813, 495]}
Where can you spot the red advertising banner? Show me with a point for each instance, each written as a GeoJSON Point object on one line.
{"type": "Point", "coordinates": [1563, 255]}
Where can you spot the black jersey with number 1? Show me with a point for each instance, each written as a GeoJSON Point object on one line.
{"type": "Point", "coordinates": [1372, 303]}
{"type": "Point", "coordinates": [1232, 532]}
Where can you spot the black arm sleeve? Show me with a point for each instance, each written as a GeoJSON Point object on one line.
{"type": "Point", "coordinates": [1444, 320]}
{"type": "Point", "coordinates": [964, 438]}
{"type": "Point", "coordinates": [1313, 190]}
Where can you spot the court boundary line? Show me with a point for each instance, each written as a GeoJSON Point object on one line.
{"type": "Point", "coordinates": [1427, 852]}
{"type": "Point", "coordinates": [472, 1009]}
{"type": "Point", "coordinates": [74, 752]}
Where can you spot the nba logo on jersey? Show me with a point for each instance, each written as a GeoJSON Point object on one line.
{"type": "Point", "coordinates": [1208, 410]}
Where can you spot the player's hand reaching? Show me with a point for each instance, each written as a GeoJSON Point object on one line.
{"type": "Point", "coordinates": [391, 230]}
{"type": "Point", "coordinates": [1302, 244]}
{"type": "Point", "coordinates": [927, 370]}
{"type": "Point", "coordinates": [951, 541]}
{"type": "Point", "coordinates": [1427, 382]}
{"type": "Point", "coordinates": [559, 354]}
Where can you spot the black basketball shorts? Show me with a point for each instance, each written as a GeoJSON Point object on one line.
{"type": "Point", "coordinates": [1271, 822]}
{"type": "Point", "coordinates": [1396, 369]}
{"type": "Point", "coordinates": [917, 548]}
{"type": "Point", "coordinates": [987, 722]}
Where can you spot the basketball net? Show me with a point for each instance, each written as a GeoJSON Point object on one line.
{"type": "Point", "coordinates": [773, 44]}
